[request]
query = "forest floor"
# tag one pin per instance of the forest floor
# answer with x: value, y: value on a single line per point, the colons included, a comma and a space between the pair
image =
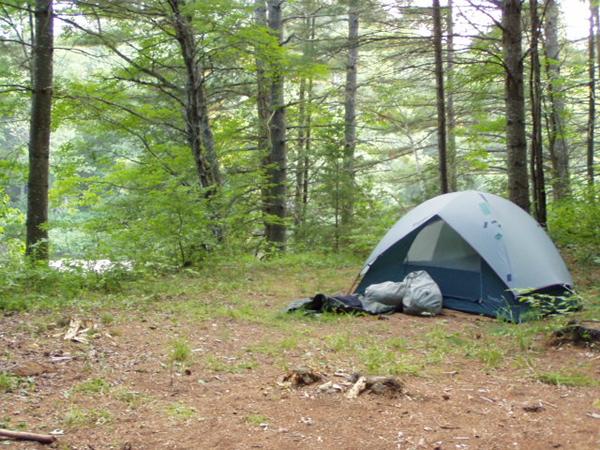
x: 195, y: 360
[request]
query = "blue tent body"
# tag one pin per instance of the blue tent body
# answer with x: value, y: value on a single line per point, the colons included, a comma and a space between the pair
x: 482, y: 250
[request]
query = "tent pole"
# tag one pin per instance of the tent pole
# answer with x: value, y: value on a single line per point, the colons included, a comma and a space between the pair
x: 355, y: 283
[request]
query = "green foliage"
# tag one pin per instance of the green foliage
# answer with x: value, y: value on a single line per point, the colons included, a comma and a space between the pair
x: 542, y: 305
x: 573, y: 223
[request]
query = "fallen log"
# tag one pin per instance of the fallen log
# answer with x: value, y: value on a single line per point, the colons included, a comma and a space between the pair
x: 26, y: 436
x: 584, y: 332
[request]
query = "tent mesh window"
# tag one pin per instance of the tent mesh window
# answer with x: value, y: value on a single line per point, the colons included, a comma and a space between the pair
x: 437, y: 244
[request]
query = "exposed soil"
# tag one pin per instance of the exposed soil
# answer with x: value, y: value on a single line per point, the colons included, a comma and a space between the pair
x: 227, y: 395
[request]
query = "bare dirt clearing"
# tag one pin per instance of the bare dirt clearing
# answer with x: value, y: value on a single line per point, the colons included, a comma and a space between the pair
x: 198, y: 367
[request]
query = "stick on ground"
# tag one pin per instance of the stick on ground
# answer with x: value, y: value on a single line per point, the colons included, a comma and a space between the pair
x: 25, y: 436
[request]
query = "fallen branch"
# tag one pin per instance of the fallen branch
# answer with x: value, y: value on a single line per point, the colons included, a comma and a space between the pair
x: 25, y: 436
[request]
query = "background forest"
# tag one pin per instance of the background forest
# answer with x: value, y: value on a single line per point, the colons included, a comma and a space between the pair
x: 180, y: 131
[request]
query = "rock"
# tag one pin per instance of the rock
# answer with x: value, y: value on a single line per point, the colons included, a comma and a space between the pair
x: 534, y: 408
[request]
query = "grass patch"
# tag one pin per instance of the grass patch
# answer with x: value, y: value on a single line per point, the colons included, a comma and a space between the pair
x: 256, y: 419
x: 79, y: 417
x: 377, y: 360
x: 180, y: 352
x: 8, y: 382
x: 180, y: 412
x: 276, y: 348
x: 107, y: 319
x: 133, y: 399
x: 93, y: 386
x: 11, y: 383
x: 575, y: 379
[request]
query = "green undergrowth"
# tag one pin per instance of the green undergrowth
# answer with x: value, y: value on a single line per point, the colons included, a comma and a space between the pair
x: 228, y: 286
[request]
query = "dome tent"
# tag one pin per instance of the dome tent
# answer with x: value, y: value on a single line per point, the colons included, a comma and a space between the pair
x: 482, y: 250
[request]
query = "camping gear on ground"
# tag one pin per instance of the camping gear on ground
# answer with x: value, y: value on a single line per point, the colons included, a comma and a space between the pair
x: 417, y: 294
x: 483, y: 251
x: 325, y: 303
x: 422, y: 296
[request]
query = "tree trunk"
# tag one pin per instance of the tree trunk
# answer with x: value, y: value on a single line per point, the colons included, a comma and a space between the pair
x: 301, y: 143
x: 263, y: 106
x: 559, y: 155
x: 591, y: 100
x: 518, y: 182
x: 275, y: 208
x: 441, y: 101
x: 39, y: 132
x: 451, y: 150
x: 199, y: 133
x: 347, y: 189
x: 535, y: 90
x: 304, y: 121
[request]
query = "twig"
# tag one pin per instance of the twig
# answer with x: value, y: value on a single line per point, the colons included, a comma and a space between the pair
x: 25, y: 436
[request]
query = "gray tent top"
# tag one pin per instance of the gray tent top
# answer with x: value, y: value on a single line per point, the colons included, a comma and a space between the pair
x: 512, y: 243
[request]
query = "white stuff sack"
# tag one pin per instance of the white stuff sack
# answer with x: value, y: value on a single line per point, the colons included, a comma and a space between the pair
x: 386, y: 293
x: 422, y: 296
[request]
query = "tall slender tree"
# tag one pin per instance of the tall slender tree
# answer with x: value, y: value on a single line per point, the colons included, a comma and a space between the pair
x: 535, y: 91
x: 304, y: 120
x: 276, y: 170
x: 557, y: 141
x: 591, y: 98
x: 450, y: 112
x: 516, y: 143
x: 441, y: 100
x: 39, y: 131
x: 347, y: 192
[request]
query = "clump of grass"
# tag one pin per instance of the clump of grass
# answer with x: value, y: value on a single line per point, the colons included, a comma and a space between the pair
x: 181, y: 352
x: 107, y: 319
x: 133, y: 399
x: 340, y: 342
x: 274, y: 348
x: 8, y: 382
x: 179, y: 411
x: 77, y: 417
x: 575, y: 379
x: 256, y: 419
x: 491, y: 356
x: 378, y: 360
x: 93, y: 386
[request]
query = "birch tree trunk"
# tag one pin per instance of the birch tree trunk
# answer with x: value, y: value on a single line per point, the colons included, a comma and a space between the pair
x: 518, y: 182
x: 559, y: 155
x: 441, y: 101
x: 348, y: 176
x: 276, y: 171
x: 535, y: 90
x: 39, y: 132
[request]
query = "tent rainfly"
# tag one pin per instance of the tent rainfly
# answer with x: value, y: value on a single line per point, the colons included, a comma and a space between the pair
x: 482, y: 250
